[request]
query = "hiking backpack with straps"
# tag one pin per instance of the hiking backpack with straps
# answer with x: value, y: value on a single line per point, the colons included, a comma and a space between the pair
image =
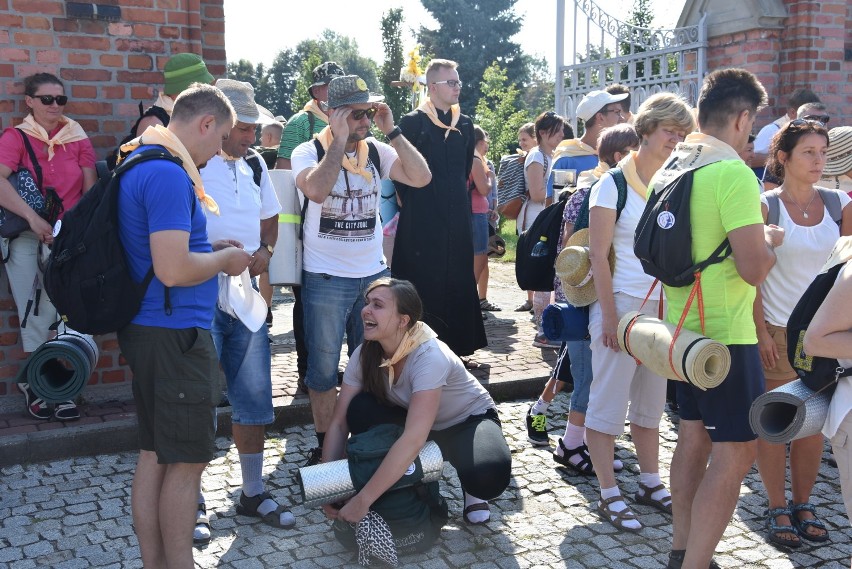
x: 87, y: 275
x: 831, y: 199
x: 582, y: 221
x: 663, y: 241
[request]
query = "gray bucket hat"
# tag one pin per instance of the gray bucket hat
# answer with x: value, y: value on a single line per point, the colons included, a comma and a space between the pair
x: 241, y: 95
x: 350, y: 90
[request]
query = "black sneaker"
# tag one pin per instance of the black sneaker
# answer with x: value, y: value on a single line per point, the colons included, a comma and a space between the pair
x: 269, y: 318
x: 537, y: 429
x: 314, y: 457
x: 676, y: 560
x: 36, y: 406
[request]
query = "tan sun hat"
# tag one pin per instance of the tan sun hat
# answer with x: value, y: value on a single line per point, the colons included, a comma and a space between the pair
x: 574, y: 269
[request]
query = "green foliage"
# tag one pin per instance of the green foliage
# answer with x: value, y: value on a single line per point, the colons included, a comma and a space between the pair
x: 497, y: 112
x: 641, y: 16
x: 264, y: 83
x: 395, y: 97
x: 306, y: 77
x: 474, y: 33
x: 538, y: 94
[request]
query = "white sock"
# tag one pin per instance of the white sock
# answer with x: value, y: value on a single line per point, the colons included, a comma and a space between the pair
x: 201, y: 531
x: 618, y: 506
x: 251, y: 466
x: 539, y: 407
x: 573, y: 436
x: 652, y: 480
x: 477, y: 516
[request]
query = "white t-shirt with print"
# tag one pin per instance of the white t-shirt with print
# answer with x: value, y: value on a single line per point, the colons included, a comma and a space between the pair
x: 629, y: 277
x: 242, y: 204
x: 343, y: 235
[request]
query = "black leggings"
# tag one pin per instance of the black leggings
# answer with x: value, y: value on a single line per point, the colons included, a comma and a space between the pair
x: 475, y: 447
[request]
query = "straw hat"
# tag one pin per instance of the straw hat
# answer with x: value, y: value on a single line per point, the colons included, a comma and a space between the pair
x: 574, y: 269
x: 839, y: 158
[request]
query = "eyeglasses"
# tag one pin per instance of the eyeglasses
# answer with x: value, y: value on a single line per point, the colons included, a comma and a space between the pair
x: 361, y: 113
x: 48, y: 100
x: 451, y: 83
x: 805, y: 122
x: 618, y: 111
x: 818, y: 118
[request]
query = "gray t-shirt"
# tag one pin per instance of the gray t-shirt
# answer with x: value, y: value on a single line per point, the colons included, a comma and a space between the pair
x: 432, y: 365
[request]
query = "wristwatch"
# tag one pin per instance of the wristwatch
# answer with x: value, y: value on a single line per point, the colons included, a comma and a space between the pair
x: 268, y: 247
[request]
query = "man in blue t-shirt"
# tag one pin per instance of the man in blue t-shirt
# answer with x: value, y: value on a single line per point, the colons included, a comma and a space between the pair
x: 168, y: 346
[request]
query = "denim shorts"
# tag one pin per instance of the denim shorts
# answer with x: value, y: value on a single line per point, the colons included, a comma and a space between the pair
x: 246, y: 361
x: 724, y: 409
x: 176, y: 387
x: 332, y: 307
x: 580, y: 353
x: 479, y: 225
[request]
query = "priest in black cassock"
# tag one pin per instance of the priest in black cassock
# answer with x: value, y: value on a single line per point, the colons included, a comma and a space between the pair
x: 434, y: 243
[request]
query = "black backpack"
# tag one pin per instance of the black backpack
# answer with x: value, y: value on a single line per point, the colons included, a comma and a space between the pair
x: 415, y: 511
x: 86, y: 275
x: 536, y: 272
x: 817, y: 373
x: 663, y: 241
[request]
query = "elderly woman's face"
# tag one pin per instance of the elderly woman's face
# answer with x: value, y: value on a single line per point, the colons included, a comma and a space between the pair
x: 664, y: 139
x: 46, y: 114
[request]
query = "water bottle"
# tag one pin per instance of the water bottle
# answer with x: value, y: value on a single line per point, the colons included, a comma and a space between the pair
x: 540, y: 248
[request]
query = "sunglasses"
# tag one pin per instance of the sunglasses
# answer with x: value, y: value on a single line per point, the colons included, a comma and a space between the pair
x: 451, y: 83
x: 48, y: 100
x: 361, y: 113
x: 806, y: 121
x: 819, y: 118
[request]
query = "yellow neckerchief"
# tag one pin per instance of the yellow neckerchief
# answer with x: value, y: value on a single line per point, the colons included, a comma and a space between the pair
x: 628, y: 168
x: 418, y: 334
x: 696, y: 151
x: 587, y: 178
x: 428, y: 108
x: 312, y: 107
x: 71, y: 131
x: 166, y: 103
x: 357, y: 166
x: 573, y: 147
x: 161, y: 136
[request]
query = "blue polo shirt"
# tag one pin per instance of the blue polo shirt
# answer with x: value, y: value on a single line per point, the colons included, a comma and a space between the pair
x: 158, y: 196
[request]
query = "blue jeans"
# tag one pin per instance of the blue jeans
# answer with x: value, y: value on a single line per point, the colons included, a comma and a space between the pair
x: 332, y: 306
x: 246, y: 361
x: 581, y: 369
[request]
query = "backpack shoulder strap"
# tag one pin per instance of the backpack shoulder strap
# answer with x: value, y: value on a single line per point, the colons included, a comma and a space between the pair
x: 373, y: 154
x: 773, y: 202
x: 311, y: 123
x: 621, y: 186
x: 254, y: 163
x: 320, y: 155
x: 831, y: 199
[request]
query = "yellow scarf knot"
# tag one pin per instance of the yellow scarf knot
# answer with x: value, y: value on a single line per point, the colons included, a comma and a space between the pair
x: 428, y: 108
x: 418, y: 334
x: 71, y: 131
x: 356, y: 165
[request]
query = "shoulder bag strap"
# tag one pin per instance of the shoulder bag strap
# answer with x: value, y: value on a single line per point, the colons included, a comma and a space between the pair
x: 33, y: 159
x: 831, y: 199
x: 773, y: 202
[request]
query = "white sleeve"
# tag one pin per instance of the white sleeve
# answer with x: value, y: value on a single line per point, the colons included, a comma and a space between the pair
x: 387, y: 156
x: 304, y: 156
x: 764, y: 137
x: 604, y: 193
x: 844, y: 199
x: 269, y: 204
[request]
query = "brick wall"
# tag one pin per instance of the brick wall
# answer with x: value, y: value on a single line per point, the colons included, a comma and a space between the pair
x: 808, y: 51
x: 107, y: 68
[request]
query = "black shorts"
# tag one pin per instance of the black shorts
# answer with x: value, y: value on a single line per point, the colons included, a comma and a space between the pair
x: 562, y: 369
x: 176, y: 387
x: 724, y: 409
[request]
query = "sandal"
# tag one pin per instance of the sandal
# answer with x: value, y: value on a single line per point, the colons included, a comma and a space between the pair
x: 248, y: 507
x: 470, y: 364
x: 583, y: 467
x: 481, y: 506
x: 803, y: 525
x: 643, y: 496
x: 525, y: 307
x: 676, y: 560
x: 36, y: 406
x: 617, y: 519
x: 66, y: 411
x: 485, y: 304
x: 202, y: 522
x: 774, y: 530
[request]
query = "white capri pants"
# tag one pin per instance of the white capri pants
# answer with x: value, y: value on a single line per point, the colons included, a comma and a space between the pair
x: 22, y: 269
x: 841, y: 446
x: 617, y: 380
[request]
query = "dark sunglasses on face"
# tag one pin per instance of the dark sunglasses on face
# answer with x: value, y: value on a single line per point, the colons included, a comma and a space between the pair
x: 48, y: 100
x: 819, y: 118
x: 806, y: 121
x: 361, y: 113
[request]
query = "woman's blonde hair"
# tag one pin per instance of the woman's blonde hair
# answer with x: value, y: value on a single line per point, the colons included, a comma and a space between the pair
x: 663, y: 109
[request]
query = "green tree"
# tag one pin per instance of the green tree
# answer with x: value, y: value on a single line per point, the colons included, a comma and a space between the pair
x: 538, y: 93
x: 641, y: 16
x: 305, y: 80
x: 283, y: 75
x: 497, y: 111
x: 473, y: 33
x: 395, y: 97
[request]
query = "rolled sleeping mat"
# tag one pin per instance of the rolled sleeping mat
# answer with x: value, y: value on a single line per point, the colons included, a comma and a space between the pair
x: 792, y: 411
x: 562, y: 322
x: 696, y: 359
x: 331, y: 482
x: 58, y: 370
x: 285, y: 266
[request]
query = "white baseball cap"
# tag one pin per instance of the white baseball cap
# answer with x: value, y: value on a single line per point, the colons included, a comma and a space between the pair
x: 595, y: 101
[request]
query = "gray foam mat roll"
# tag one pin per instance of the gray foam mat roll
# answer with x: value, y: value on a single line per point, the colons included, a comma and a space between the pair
x: 789, y: 412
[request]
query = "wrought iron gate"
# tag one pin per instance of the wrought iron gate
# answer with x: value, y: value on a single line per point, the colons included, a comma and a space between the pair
x: 606, y: 50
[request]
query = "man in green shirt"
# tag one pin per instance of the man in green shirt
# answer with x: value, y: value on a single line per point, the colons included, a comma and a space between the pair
x: 714, y: 424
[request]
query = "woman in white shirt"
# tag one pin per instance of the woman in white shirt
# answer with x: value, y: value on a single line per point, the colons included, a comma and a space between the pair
x: 662, y: 122
x: 797, y: 155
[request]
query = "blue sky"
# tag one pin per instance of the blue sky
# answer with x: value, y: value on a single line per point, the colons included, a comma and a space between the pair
x: 259, y: 34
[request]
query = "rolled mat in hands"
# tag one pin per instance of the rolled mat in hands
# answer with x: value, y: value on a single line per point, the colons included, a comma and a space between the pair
x: 698, y: 360
x: 790, y: 412
x: 58, y: 370
x: 562, y: 322
x: 331, y: 482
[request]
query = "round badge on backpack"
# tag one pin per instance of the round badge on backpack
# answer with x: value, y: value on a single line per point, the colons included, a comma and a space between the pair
x: 666, y: 219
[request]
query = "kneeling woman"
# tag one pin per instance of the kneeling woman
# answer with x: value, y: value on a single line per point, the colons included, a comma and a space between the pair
x: 403, y: 374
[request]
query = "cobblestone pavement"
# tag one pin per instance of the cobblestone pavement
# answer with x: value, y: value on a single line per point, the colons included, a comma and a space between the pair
x: 75, y: 513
